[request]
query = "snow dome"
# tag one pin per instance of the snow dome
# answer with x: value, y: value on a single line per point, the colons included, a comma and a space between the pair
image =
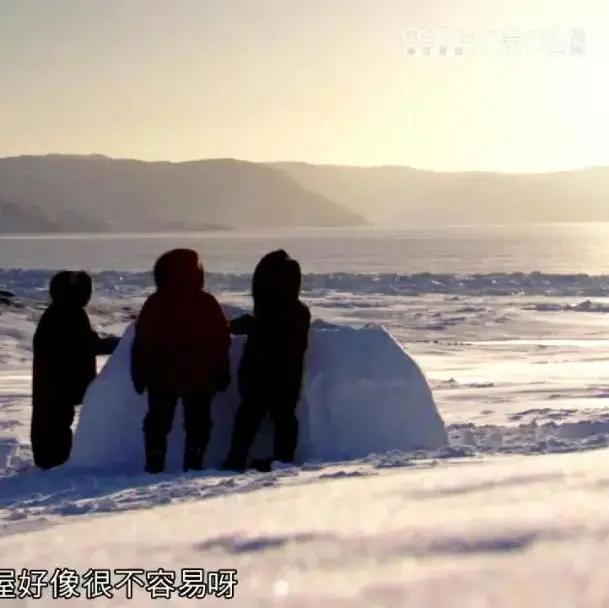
x: 362, y: 394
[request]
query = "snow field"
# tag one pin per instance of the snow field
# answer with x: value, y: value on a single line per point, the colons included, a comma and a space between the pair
x: 509, y: 531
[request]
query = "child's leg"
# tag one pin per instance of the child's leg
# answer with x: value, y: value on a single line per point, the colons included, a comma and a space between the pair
x: 157, y: 425
x: 197, y: 426
x: 283, y: 412
x: 51, y: 434
x: 62, y: 447
x: 247, y: 422
x: 40, y: 437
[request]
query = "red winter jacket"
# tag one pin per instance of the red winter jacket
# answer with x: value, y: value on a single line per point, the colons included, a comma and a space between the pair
x: 182, y: 338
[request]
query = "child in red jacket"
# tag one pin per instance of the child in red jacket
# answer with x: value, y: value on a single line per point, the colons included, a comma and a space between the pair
x: 180, y: 351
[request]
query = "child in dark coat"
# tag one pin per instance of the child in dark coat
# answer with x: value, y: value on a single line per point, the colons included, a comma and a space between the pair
x: 180, y: 351
x: 270, y: 373
x: 65, y: 348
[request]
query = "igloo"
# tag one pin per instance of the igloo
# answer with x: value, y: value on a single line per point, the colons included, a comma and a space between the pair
x: 362, y: 394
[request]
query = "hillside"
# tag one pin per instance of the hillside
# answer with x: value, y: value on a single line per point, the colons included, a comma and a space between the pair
x: 16, y: 218
x: 97, y: 193
x: 405, y: 195
x: 131, y: 195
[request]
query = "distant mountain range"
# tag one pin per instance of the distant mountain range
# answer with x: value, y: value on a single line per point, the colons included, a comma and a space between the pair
x: 403, y: 195
x: 97, y: 193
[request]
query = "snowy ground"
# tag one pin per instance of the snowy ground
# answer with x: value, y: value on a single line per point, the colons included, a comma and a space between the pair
x: 513, y: 513
x: 506, y: 531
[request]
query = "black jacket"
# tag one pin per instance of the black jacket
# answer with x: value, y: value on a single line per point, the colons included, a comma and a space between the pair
x: 65, y: 347
x: 277, y: 332
x: 273, y: 356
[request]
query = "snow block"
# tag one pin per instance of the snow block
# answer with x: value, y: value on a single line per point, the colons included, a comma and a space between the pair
x: 362, y: 394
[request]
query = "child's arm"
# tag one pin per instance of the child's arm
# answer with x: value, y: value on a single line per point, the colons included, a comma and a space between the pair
x: 106, y: 345
x: 304, y: 326
x: 137, y: 367
x: 140, y: 346
x: 222, y: 343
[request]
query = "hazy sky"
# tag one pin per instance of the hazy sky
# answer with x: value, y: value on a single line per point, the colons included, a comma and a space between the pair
x: 328, y: 81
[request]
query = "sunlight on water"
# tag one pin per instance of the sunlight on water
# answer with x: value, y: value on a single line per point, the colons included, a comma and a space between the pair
x: 560, y: 248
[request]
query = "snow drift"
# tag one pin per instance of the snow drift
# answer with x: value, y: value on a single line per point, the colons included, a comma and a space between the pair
x: 361, y: 394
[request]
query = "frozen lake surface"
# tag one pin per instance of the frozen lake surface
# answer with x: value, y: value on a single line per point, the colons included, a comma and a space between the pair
x: 551, y: 248
x: 509, y: 325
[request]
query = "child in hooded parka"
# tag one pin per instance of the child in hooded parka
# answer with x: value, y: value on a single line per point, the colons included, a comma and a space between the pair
x: 180, y: 352
x: 65, y: 348
x: 271, y: 369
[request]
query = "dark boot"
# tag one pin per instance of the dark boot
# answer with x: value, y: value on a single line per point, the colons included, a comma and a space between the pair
x: 262, y: 465
x: 232, y: 464
x: 51, y: 436
x: 247, y: 422
x: 157, y: 425
x: 286, y: 437
x: 193, y: 459
x: 156, y: 448
x: 155, y: 461
x: 197, y: 428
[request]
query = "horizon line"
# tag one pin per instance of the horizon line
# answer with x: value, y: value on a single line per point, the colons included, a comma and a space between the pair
x: 97, y: 155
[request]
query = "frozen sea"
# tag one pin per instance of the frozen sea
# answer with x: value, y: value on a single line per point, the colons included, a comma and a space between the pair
x: 509, y: 323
